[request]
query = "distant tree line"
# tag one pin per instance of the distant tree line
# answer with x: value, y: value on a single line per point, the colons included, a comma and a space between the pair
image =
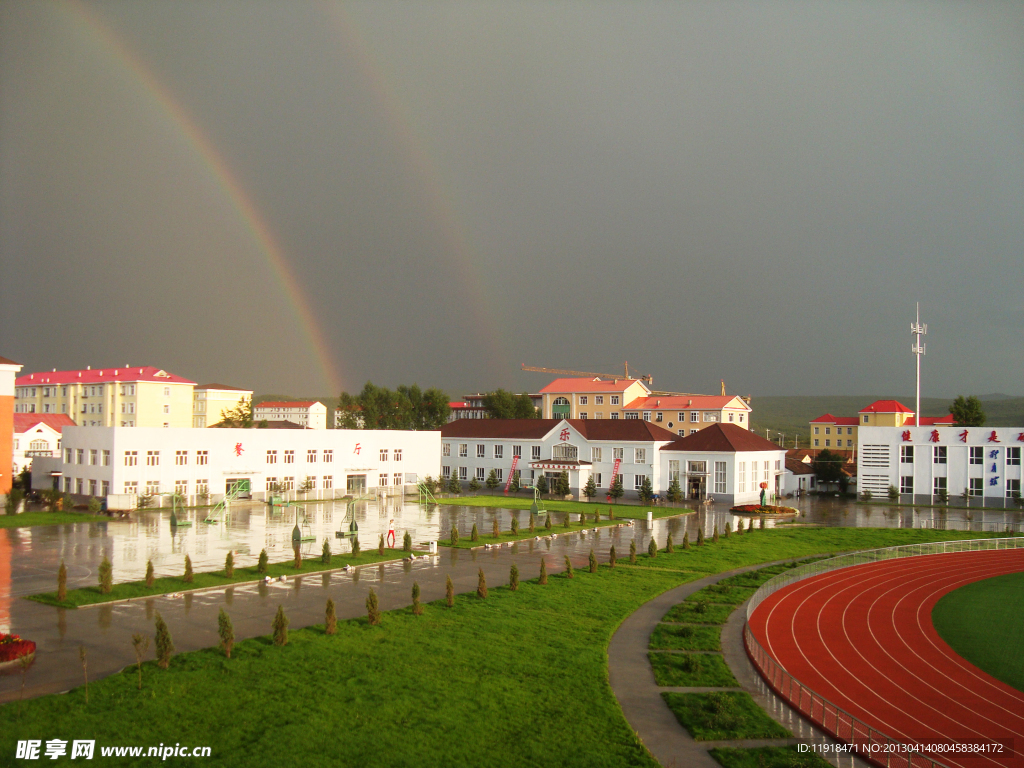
x: 501, y: 404
x: 407, y: 407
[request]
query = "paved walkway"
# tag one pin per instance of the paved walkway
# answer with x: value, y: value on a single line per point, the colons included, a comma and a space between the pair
x: 633, y: 684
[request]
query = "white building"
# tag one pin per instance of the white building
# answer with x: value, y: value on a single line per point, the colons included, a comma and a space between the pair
x: 102, y: 461
x: 724, y: 461
x: 924, y: 462
x: 311, y: 414
x: 37, y: 435
x: 583, y: 448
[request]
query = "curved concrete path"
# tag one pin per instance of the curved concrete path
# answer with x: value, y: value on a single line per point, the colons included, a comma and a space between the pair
x: 632, y: 682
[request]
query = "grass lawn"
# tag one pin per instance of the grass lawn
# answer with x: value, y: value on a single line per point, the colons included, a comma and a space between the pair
x: 162, y: 586
x: 723, y: 715
x: 689, y: 612
x: 691, y: 670
x: 982, y: 622
x: 685, y: 637
x: 48, y: 518
x: 485, y: 531
x: 724, y: 595
x: 621, y: 511
x: 768, y: 757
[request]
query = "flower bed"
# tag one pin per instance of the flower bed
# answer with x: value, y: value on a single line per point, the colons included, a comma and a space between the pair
x: 767, y: 509
x: 13, y: 648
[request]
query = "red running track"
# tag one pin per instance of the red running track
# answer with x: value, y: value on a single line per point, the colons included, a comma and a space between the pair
x: 862, y: 637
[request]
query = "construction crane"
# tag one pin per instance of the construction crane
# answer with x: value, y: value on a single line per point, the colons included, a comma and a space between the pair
x: 647, y: 379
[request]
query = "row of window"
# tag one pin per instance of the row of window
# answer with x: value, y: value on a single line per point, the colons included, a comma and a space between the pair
x: 561, y: 451
x: 95, y: 457
x: 975, y: 454
x: 80, y: 485
x: 828, y: 443
x: 90, y: 390
x: 839, y: 430
x: 976, y: 486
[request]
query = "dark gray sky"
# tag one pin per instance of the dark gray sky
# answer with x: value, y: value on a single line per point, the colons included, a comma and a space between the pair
x: 754, y: 191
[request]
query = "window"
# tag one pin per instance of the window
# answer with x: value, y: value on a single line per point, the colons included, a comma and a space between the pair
x: 639, y: 455
x: 615, y: 399
x: 710, y: 416
x: 382, y: 479
x: 398, y: 454
x: 311, y: 482
x: 618, y: 453
x: 938, y: 485
x: 131, y: 458
x: 977, y: 455
x: 288, y: 484
x: 383, y: 454
x: 583, y: 399
x: 633, y: 415
x: 153, y: 487
x: 828, y: 443
x: 741, y: 418
x: 828, y: 430
x: 816, y: 442
x: 731, y: 416
x: 499, y: 451
x: 67, y: 485
x: 595, y: 454
x: 719, y: 477
x: 535, y: 453
x: 976, y: 486
x: 742, y: 476
x: 329, y: 456
x: 565, y: 452
x: 638, y: 481
x: 202, y: 487
x: 481, y: 451
x: 80, y: 456
x: 480, y: 474
x: 864, y: 419
x: 311, y: 456
x: 328, y: 482
x: 613, y: 415
x: 92, y: 487
x: 1013, y: 456
x: 106, y: 458
x: 446, y: 471
x: 694, y: 431
x: 180, y: 458
x: 681, y: 432
x: 93, y: 457
x: 647, y: 415
x: 167, y: 391
x: 105, y: 488
x: 598, y: 399
x: 152, y: 458
x: 181, y: 487
x: 517, y: 450
x: 132, y: 486
x: 397, y: 478
x: 463, y: 473
x: 701, y: 467
x: 202, y: 457
x: 272, y: 484
x: 464, y: 450
x: 289, y: 457
x: 907, y: 484
x: 939, y: 454
x: 167, y: 409
x: 271, y: 457
x: 1012, y: 488
x: 694, y: 416
x: 597, y: 479
x: 583, y: 414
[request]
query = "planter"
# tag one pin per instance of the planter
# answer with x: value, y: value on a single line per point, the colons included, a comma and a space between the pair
x: 768, y: 509
x: 13, y: 648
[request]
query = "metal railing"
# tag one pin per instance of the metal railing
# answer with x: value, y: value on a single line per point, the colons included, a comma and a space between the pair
x: 869, y: 742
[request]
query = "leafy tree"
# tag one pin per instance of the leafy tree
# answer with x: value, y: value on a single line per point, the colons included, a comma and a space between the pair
x: 501, y: 404
x: 492, y: 480
x: 569, y: 574
x: 454, y: 485
x: 563, y: 483
x: 474, y: 485
x: 514, y: 523
x: 296, y: 557
x: 616, y: 491
x: 686, y: 539
x: 408, y: 407
x: 455, y: 534
x: 611, y: 557
x: 714, y: 536
x: 151, y: 576
x: 967, y: 412
x: 226, y: 632
x: 140, y: 643
x: 261, y: 565
x: 652, y: 548
x: 593, y: 562
x: 280, y: 627
x: 590, y: 489
x: 669, y: 546
x: 325, y: 552
x: 106, y: 574
x: 646, y: 492
x: 675, y: 493
x: 380, y: 545
x: 700, y: 536
x: 95, y: 505
x: 496, y: 528
x: 372, y: 608
x: 547, y: 522
x: 474, y: 535
x: 164, y: 644
x: 513, y: 578
x: 514, y: 485
x: 542, y: 483
x: 188, y: 578
x: 828, y: 467
x: 481, y: 584
x: 728, y: 529
x: 417, y: 609
x: 229, y: 565
x: 632, y: 552
x: 239, y: 416
x: 355, y: 546
x: 894, y: 493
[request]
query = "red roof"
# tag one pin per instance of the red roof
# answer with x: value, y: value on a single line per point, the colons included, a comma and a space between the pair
x: 797, y: 467
x: 290, y: 404
x: 101, y: 376
x: 5, y: 361
x: 723, y: 438
x: 681, y: 402
x: 841, y: 421
x: 222, y: 386
x: 886, y: 406
x: 23, y: 422
x: 590, y: 385
x: 625, y: 430
x: 937, y: 421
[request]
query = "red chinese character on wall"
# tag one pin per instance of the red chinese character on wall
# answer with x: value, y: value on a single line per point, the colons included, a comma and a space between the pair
x: 993, y: 438
x: 238, y: 449
x: 564, y: 435
x: 963, y: 436
x: 358, y: 448
x: 1020, y: 437
x: 906, y: 435
x: 935, y: 436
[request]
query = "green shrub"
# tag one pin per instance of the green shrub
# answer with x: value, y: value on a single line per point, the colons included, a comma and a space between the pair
x: 632, y: 552
x: 543, y: 573
x: 229, y: 565
x: 330, y: 618
x: 226, y: 632
x: 296, y: 557
x: 728, y: 529
x: 597, y: 516
x: 455, y: 533
x: 417, y: 609
x: 164, y: 644
x: 140, y: 643
x: 106, y: 574
x: 261, y: 566
x: 325, y: 552
x: 280, y: 627
x: 761, y: 524
x: 407, y: 542
x: 355, y: 546
x: 611, y: 557
x: 150, y: 575
x: 686, y: 539
x: 513, y: 578
x: 700, y: 536
x: 669, y: 546
x: 714, y: 537
x: 474, y: 535
x: 481, y: 584
x: 95, y: 505
x: 568, y: 568
x: 611, y: 513
x: 593, y: 562
x: 533, y: 523
x: 372, y: 608
x: 701, y: 605
x: 547, y: 522
x: 496, y: 529
x: 567, y: 523
x: 449, y: 592
x: 62, y: 581
x: 188, y: 577
x: 515, y: 524
x: 652, y: 548
x: 380, y: 545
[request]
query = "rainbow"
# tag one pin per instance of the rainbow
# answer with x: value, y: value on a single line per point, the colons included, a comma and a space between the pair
x: 228, y: 182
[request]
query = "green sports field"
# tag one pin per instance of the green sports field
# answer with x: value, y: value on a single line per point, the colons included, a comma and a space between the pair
x: 984, y: 623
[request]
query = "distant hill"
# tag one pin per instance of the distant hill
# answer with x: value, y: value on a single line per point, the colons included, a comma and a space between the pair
x: 790, y: 415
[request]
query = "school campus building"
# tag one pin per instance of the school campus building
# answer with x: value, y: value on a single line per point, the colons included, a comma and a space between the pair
x: 840, y: 432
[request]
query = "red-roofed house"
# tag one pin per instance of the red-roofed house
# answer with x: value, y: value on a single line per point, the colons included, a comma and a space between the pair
x: 830, y: 431
x: 686, y: 414
x: 37, y: 434
x: 109, y: 397
x: 306, y: 413
x: 596, y: 398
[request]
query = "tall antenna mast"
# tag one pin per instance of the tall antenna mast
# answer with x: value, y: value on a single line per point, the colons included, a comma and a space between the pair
x: 918, y: 349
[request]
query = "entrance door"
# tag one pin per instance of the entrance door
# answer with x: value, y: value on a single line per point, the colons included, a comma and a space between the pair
x: 243, y: 486
x: 355, y: 485
x: 696, y: 487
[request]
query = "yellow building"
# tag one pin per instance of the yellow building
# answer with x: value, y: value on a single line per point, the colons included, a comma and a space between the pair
x: 210, y: 401
x: 109, y: 397
x: 840, y: 432
x: 686, y: 414
x: 589, y: 398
